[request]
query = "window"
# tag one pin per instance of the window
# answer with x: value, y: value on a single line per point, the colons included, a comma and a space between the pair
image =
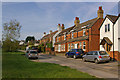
x: 65, y: 37
x: 83, y: 45
x: 57, y: 39
x: 68, y: 47
x: 64, y: 47
x: 72, y: 45
x: 90, y: 53
x: 95, y: 53
x: 105, y: 28
x: 80, y: 45
x: 108, y: 27
x: 84, y: 32
x: 103, y: 53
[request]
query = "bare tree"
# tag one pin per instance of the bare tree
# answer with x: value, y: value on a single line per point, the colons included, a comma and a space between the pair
x: 10, y: 35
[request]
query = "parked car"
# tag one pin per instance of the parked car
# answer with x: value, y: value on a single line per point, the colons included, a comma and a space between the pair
x: 32, y: 54
x: 97, y: 56
x: 75, y: 53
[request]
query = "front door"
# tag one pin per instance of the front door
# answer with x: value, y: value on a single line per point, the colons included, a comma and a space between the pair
x: 107, y: 48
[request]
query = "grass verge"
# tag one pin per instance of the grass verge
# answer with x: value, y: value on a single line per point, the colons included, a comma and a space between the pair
x: 16, y: 65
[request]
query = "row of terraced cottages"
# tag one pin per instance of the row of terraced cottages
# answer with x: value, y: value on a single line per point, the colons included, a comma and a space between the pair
x: 96, y: 34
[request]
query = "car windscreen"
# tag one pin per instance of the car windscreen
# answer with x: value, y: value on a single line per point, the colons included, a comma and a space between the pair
x: 103, y: 53
x: 79, y: 50
x: 33, y: 52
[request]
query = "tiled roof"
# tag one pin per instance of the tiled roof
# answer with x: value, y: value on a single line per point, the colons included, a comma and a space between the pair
x: 107, y: 40
x: 49, y: 35
x: 86, y: 24
x: 112, y: 17
x: 72, y: 40
x: 78, y: 39
x: 65, y: 30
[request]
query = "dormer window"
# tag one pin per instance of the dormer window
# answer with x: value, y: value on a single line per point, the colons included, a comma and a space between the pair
x: 84, y: 32
x: 72, y: 35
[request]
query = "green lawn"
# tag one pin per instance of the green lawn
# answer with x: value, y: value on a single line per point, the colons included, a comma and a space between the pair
x: 15, y: 65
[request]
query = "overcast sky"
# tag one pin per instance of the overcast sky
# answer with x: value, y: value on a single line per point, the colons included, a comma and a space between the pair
x: 39, y: 17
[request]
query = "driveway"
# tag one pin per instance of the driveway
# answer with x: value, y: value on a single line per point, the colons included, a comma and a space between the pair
x: 102, y: 70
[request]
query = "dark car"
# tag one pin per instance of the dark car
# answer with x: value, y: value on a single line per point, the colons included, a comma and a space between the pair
x: 75, y: 53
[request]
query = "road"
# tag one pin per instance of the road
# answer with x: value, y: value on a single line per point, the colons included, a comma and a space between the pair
x: 102, y: 70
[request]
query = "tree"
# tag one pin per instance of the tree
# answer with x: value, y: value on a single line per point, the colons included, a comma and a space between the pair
x: 11, y: 34
x: 31, y: 39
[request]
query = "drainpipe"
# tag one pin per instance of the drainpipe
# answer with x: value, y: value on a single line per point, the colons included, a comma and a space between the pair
x: 113, y: 42
x: 88, y: 39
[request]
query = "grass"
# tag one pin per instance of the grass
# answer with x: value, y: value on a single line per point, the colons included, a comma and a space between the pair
x: 16, y: 65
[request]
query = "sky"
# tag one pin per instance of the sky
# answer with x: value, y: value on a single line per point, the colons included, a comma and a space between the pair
x: 39, y: 17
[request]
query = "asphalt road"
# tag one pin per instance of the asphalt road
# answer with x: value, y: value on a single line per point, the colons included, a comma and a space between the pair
x: 101, y: 70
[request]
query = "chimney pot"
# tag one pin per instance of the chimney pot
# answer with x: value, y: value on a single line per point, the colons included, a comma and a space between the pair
x: 50, y: 32
x: 100, y: 12
x: 44, y: 32
x: 76, y: 18
x: 100, y: 8
x: 62, y: 25
x: 58, y: 24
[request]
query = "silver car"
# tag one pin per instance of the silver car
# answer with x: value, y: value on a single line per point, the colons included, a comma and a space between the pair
x: 32, y: 54
x: 97, y: 56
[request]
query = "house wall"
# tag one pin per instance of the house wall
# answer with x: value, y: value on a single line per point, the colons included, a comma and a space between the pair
x: 54, y: 37
x: 119, y: 35
x: 106, y: 34
x: 94, y: 36
x: 116, y: 36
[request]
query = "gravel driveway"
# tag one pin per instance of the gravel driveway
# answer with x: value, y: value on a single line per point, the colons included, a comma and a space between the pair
x: 102, y: 70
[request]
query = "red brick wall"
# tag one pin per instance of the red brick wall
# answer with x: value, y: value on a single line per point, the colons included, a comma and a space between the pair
x: 116, y: 55
x: 68, y: 36
x: 75, y: 34
x: 80, y: 33
x: 94, y: 37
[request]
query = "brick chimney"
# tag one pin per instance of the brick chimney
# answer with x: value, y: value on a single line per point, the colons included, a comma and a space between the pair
x: 100, y: 12
x: 50, y: 32
x: 44, y: 34
x: 62, y: 27
x: 77, y: 21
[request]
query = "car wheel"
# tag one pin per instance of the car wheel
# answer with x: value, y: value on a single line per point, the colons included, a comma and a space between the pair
x: 74, y: 56
x: 96, y: 61
x: 83, y: 59
x: 67, y: 56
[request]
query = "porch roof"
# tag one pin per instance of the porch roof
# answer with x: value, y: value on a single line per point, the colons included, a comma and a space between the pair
x: 106, y: 40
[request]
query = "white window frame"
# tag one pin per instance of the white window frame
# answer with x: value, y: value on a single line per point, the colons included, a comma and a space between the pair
x: 84, y: 45
x: 68, y: 47
x: 108, y: 27
x: 84, y: 32
x: 64, y: 47
x: 80, y: 45
x: 64, y: 36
